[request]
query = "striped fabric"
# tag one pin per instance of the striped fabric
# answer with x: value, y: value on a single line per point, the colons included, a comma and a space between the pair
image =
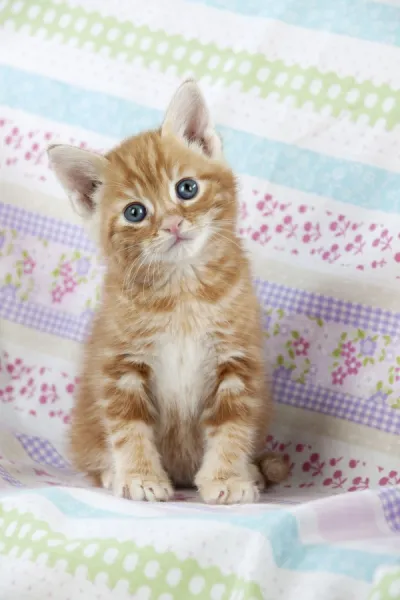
x: 306, y: 94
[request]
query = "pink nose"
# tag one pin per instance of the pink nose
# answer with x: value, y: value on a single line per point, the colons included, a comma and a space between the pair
x: 172, y: 224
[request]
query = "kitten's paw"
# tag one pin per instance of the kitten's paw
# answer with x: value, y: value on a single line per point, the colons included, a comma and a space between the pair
x: 135, y: 486
x: 106, y: 478
x: 228, y: 491
x: 257, y: 477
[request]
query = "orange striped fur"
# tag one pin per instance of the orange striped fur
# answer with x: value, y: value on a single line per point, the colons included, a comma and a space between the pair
x: 173, y: 384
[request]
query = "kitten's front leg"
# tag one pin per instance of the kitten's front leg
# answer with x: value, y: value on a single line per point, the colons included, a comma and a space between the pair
x: 230, y: 420
x: 130, y: 416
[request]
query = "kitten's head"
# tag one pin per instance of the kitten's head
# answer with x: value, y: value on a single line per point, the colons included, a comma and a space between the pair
x: 164, y: 196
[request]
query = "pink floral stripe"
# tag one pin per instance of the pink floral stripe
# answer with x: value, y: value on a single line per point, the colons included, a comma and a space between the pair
x: 331, y: 237
x: 299, y: 230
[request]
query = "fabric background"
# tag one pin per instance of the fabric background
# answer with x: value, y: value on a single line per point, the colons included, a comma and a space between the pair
x: 306, y: 94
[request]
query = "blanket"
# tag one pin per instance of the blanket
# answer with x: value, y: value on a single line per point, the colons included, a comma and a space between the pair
x: 306, y: 96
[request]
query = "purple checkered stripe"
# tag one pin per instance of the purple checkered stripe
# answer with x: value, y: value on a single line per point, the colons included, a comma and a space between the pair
x: 46, y: 228
x: 6, y: 476
x: 45, y: 319
x: 75, y: 327
x: 41, y: 451
x: 390, y: 499
x: 327, y: 308
x: 336, y: 404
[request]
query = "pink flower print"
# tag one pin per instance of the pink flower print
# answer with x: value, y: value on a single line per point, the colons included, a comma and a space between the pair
x: 69, y: 284
x: 359, y: 484
x: 243, y: 211
x: 339, y: 376
x: 336, y: 481
x: 391, y: 478
x: 261, y: 235
x: 397, y: 373
x: 29, y: 265
x: 65, y: 270
x: 57, y: 294
x: 347, y: 349
x: 353, y: 365
x: 313, y: 465
x: 301, y: 346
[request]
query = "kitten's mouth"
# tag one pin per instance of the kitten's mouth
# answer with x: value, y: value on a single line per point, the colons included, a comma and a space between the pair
x: 179, y: 240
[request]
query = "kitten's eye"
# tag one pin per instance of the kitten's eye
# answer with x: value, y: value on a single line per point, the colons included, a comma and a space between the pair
x: 187, y: 189
x: 135, y: 213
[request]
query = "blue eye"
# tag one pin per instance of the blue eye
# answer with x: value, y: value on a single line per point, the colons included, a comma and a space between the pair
x: 135, y: 213
x: 187, y: 189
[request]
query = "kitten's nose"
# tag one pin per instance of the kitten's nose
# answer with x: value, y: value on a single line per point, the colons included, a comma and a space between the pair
x: 172, y: 224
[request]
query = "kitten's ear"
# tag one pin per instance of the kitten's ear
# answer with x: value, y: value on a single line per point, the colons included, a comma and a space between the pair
x: 80, y: 172
x: 188, y: 117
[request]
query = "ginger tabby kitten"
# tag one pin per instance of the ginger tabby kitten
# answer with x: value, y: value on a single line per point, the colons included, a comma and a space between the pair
x: 173, y: 384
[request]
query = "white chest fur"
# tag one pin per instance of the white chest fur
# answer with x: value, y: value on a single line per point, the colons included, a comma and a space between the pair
x: 184, y: 372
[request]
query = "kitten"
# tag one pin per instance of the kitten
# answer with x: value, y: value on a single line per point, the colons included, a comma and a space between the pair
x: 173, y: 385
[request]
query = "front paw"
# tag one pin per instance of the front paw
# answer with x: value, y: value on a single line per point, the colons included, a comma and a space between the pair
x: 233, y: 490
x: 137, y: 486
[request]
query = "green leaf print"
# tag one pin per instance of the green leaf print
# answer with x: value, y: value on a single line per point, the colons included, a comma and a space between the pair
x: 379, y: 385
x: 8, y: 278
x: 280, y: 359
x: 387, y: 339
x: 295, y: 335
x: 343, y: 337
x: 360, y: 334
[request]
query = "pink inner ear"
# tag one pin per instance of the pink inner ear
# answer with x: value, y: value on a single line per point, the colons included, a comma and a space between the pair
x: 193, y: 136
x: 85, y: 186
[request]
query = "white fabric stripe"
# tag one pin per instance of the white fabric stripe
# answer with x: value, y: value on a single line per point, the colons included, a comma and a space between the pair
x: 268, y: 117
x: 34, y: 345
x: 277, y: 40
x: 337, y: 285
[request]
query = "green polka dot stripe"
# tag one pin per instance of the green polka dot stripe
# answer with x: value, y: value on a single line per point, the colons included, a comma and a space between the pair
x: 25, y: 537
x: 322, y: 92
x: 387, y: 586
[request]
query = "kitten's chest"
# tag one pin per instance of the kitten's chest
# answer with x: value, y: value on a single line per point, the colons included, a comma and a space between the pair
x: 184, y: 369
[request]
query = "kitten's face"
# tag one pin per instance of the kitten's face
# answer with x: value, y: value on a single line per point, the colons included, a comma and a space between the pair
x: 163, y: 198
x: 164, y: 202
